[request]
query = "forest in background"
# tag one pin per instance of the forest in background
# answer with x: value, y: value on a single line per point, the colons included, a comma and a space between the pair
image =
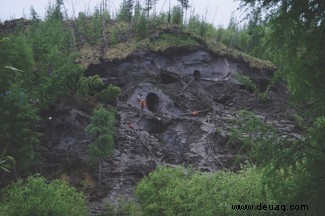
x: 38, y: 68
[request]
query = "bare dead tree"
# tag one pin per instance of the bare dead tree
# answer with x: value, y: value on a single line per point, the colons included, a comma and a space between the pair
x: 71, y: 24
x: 103, y: 10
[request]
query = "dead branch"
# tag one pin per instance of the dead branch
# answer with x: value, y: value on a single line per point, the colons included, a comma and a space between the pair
x: 187, y: 86
x: 145, y: 144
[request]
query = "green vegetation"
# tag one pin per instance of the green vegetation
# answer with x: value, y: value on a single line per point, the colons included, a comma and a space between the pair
x: 166, y: 40
x: 254, y: 88
x: 288, y: 161
x: 291, y: 35
x: 38, y: 68
x: 109, y: 94
x: 245, y: 80
x: 180, y: 191
x: 125, y: 207
x: 37, y: 197
x: 88, y: 86
x: 6, y: 162
x: 102, y: 129
x: 19, y: 132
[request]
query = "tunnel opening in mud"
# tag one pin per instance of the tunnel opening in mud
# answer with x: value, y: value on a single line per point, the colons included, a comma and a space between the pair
x: 152, y: 101
x: 196, y: 75
x: 167, y: 78
x: 154, y: 126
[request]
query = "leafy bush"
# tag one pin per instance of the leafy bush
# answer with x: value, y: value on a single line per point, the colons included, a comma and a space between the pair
x: 180, y: 191
x: 38, y: 198
x: 125, y: 207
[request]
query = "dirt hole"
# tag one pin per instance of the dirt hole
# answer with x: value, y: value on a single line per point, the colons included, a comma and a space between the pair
x: 154, y: 126
x: 167, y: 78
x: 197, y: 74
x: 152, y: 101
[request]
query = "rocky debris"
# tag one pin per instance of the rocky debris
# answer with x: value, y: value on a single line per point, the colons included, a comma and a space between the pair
x: 188, y: 126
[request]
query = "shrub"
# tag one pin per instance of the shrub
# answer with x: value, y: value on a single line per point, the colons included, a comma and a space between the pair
x: 125, y: 207
x: 36, y: 197
x: 180, y: 191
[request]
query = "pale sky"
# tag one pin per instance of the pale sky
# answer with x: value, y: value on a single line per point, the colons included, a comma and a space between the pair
x: 219, y: 11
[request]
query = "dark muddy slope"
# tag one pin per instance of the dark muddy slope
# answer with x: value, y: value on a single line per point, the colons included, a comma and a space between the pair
x: 192, y: 100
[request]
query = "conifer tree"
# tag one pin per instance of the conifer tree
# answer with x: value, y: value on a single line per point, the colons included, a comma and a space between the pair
x: 125, y: 11
x: 294, y: 32
x: 18, y: 119
x: 102, y: 130
x: 142, y: 26
x: 177, y: 15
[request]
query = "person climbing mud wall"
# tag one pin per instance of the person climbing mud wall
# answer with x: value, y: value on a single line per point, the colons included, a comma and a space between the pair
x: 152, y: 101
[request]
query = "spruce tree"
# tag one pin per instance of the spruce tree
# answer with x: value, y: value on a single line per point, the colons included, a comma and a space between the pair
x: 142, y: 26
x: 19, y: 118
x: 102, y: 131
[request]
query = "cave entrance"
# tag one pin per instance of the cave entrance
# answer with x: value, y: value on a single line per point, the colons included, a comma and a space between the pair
x: 152, y: 101
x: 167, y: 78
x: 155, y: 126
x: 197, y: 75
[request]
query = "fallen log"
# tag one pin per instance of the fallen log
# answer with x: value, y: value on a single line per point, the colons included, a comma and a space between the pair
x: 194, y: 113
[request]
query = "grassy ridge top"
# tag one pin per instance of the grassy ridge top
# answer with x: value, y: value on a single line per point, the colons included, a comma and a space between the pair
x: 165, y: 38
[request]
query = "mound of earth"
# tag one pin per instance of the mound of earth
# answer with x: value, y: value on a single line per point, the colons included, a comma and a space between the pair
x: 191, y: 102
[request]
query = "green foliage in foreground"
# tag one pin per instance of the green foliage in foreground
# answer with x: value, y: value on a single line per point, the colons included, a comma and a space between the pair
x: 125, y: 207
x: 38, y: 198
x: 180, y: 191
x: 293, y: 165
x: 293, y: 38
